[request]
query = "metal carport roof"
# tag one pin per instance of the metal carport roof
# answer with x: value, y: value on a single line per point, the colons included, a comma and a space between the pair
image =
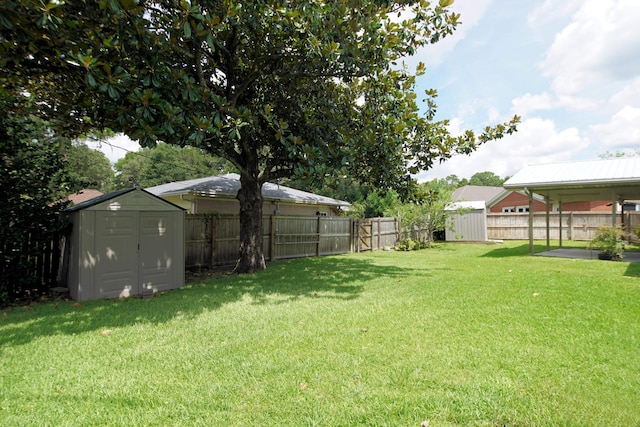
x: 606, y: 179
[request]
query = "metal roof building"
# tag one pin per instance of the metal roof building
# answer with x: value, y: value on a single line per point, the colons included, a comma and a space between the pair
x: 616, y: 179
x: 199, y: 194
x: 606, y: 179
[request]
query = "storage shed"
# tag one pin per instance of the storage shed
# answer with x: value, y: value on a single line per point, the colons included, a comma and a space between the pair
x: 469, y: 222
x: 124, y: 243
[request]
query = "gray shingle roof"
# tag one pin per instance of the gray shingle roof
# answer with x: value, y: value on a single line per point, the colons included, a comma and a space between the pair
x: 472, y: 193
x: 228, y: 186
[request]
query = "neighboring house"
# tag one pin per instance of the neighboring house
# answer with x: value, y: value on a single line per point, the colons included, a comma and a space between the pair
x: 83, y: 195
x: 500, y: 200
x: 217, y: 194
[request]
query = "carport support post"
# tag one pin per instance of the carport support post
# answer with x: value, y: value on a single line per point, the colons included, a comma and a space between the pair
x: 546, y: 200
x: 560, y: 221
x: 530, y: 194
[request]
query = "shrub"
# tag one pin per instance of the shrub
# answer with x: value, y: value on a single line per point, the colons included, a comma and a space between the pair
x: 610, y: 240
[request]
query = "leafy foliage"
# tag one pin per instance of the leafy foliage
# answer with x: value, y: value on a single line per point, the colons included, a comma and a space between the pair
x: 88, y: 168
x: 32, y: 179
x: 610, y: 240
x: 487, y: 179
x: 166, y: 163
x: 426, y: 214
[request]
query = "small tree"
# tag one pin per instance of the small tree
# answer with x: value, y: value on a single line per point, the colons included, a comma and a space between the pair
x: 427, y: 211
x: 610, y: 240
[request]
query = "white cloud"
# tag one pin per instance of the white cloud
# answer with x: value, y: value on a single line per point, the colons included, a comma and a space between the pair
x: 471, y: 12
x: 600, y: 46
x: 622, y: 132
x: 528, y: 103
x: 537, y: 141
x: 628, y: 95
x: 115, y: 148
x: 551, y: 10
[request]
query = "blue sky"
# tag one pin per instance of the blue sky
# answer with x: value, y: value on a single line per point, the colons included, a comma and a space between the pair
x: 569, y: 68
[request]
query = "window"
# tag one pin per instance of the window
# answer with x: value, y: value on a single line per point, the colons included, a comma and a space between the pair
x: 522, y: 209
x: 508, y: 209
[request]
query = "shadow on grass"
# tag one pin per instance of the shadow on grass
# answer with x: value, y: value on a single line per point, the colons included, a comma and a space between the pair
x: 633, y: 270
x: 338, y: 278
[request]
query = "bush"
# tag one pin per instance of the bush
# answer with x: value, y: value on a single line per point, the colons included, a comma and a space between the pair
x: 412, y: 245
x: 610, y: 240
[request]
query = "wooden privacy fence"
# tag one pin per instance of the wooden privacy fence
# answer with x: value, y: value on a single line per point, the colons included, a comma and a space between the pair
x: 575, y: 225
x: 370, y: 234
x: 31, y: 269
x: 213, y: 240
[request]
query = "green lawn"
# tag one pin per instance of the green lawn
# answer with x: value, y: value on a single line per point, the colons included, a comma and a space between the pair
x: 462, y: 334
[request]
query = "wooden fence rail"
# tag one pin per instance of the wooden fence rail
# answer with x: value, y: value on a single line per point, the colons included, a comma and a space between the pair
x: 575, y: 225
x: 213, y: 240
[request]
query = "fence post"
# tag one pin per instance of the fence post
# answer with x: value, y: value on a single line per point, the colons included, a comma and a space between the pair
x: 272, y: 238
x: 570, y: 230
x: 318, y: 229
x: 213, y: 224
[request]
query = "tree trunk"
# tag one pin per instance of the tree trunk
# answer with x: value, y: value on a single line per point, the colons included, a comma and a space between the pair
x: 250, y: 257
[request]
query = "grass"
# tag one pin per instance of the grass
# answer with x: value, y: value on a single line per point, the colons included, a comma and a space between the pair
x: 461, y: 334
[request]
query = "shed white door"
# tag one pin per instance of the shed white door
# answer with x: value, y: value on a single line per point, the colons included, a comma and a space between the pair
x: 135, y: 253
x: 157, y: 243
x: 116, y: 241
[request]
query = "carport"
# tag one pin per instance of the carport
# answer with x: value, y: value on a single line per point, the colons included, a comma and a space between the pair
x: 615, y: 179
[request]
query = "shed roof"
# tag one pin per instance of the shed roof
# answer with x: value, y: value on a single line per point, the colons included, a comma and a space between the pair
x: 229, y: 184
x: 138, y: 192
x: 605, y: 179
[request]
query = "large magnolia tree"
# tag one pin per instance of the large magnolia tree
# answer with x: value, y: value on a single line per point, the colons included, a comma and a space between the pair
x: 304, y: 88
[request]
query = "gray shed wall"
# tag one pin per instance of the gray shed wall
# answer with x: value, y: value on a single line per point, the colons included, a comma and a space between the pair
x: 468, y: 227
x: 130, y: 245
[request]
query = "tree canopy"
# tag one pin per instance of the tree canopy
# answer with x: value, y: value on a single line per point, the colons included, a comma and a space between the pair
x: 87, y: 168
x: 486, y: 179
x: 166, y: 163
x: 304, y: 88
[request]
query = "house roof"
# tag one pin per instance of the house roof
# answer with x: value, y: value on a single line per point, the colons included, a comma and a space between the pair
x: 605, y: 179
x: 228, y: 185
x: 83, y: 195
x: 474, y: 193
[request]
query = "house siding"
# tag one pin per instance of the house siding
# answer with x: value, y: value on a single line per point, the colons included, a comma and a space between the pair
x: 516, y: 199
x: 232, y: 207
